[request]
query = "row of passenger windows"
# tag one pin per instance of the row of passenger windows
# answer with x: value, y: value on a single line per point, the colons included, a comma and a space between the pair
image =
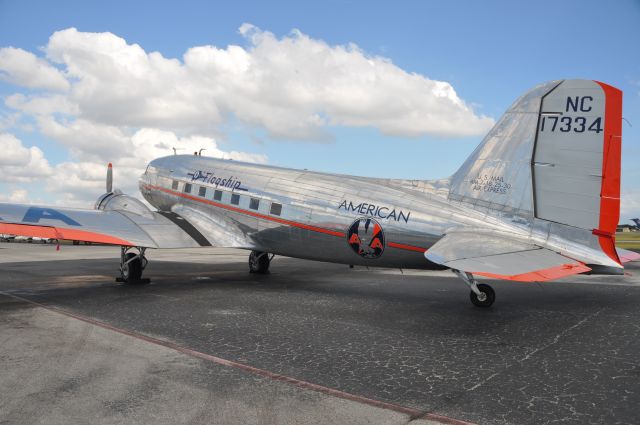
x: 254, y: 203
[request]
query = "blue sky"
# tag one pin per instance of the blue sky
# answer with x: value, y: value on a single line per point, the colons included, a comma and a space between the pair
x: 490, y: 52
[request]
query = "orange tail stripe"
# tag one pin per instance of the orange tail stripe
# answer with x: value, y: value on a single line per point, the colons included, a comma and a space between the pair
x: 610, y: 190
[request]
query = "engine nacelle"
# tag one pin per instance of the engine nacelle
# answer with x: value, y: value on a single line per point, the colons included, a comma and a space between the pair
x: 118, y: 201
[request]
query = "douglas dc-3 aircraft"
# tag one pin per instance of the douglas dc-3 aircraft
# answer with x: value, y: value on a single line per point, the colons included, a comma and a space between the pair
x: 537, y: 200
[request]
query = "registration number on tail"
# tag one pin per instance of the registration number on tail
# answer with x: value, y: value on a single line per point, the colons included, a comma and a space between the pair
x: 552, y: 123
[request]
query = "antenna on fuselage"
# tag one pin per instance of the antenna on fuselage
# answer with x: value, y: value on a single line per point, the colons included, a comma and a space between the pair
x: 175, y: 150
x: 200, y: 151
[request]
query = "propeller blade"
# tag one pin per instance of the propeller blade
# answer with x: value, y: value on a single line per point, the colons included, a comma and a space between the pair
x: 109, y: 178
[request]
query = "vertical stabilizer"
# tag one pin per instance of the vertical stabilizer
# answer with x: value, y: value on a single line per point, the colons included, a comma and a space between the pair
x: 553, y: 156
x: 497, y: 174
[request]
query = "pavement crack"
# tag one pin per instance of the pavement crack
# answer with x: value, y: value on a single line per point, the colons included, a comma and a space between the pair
x: 481, y: 383
x: 557, y: 338
x: 527, y: 356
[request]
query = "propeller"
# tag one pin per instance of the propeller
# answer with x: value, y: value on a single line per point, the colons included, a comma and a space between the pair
x: 109, y: 178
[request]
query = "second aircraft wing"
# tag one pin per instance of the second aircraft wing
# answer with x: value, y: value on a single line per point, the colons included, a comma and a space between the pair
x: 139, y: 227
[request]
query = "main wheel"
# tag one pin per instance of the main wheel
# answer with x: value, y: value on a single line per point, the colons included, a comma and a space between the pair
x: 259, y: 262
x: 131, y: 270
x: 486, y: 299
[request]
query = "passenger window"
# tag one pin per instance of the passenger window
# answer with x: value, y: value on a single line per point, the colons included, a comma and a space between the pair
x: 174, y: 185
x: 217, y: 195
x: 202, y: 191
x: 276, y: 209
x: 187, y: 188
x: 235, y: 199
x: 254, y: 204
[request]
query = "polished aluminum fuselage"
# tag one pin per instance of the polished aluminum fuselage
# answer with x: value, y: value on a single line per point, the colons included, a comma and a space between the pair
x: 535, y: 187
x: 317, y: 209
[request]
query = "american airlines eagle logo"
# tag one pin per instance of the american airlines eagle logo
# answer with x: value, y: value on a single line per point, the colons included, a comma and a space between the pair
x: 366, y: 238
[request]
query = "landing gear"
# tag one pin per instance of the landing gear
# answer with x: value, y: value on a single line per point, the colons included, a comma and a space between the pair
x: 482, y: 295
x: 259, y: 262
x: 486, y: 298
x: 132, y: 264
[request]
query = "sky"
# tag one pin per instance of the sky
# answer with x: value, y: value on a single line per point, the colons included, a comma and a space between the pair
x: 403, y: 89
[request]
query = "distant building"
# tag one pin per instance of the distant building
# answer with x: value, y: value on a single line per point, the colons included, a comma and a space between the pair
x: 626, y: 228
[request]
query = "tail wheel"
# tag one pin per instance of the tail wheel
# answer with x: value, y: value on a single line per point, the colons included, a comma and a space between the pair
x: 259, y: 262
x: 486, y: 298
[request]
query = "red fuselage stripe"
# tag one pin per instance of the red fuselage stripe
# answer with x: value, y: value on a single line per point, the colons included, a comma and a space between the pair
x: 276, y: 219
x: 407, y: 247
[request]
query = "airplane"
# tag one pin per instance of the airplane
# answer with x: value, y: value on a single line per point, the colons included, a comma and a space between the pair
x: 637, y: 222
x: 537, y: 200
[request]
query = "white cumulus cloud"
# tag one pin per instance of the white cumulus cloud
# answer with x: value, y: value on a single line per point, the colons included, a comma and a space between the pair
x: 19, y: 163
x: 83, y: 180
x: 292, y: 87
x: 23, y: 68
x: 41, y: 105
x: 17, y: 196
x: 106, y: 100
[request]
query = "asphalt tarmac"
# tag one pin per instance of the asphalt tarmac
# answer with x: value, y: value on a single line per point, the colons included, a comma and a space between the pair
x: 207, y: 342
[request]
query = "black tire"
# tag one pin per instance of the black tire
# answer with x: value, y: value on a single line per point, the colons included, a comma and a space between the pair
x: 259, y: 262
x: 132, y: 271
x: 488, y: 291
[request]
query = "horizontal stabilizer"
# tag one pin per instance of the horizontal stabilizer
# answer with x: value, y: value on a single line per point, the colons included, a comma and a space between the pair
x: 627, y: 256
x: 501, y: 257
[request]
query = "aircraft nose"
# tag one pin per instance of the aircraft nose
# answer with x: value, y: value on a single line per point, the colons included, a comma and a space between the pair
x: 144, y: 181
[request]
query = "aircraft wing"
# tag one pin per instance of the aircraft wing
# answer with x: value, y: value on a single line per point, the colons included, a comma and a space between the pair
x: 501, y: 257
x: 142, y: 228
